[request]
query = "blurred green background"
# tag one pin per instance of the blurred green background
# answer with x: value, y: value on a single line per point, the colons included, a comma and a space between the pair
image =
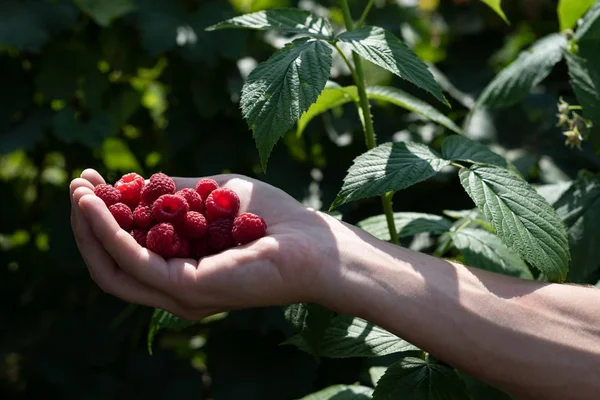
x: 137, y: 85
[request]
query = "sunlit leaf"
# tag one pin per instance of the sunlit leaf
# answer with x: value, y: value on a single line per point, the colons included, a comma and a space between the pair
x: 342, y: 392
x: 497, y: 7
x: 310, y: 321
x: 407, y: 224
x: 569, y: 12
x: 460, y: 148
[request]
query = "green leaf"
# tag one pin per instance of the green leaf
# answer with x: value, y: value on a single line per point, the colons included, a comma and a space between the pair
x: 407, y: 223
x: 459, y: 148
x: 524, y: 221
x: 342, y: 392
x: 118, y: 157
x: 349, y: 336
x: 382, y: 48
x: 330, y: 98
x: 165, y: 320
x: 288, y: 20
x: 497, y: 7
x: 375, y: 373
x: 26, y: 135
x: 69, y: 128
x: 413, y: 378
x: 103, y: 12
x: 479, y: 390
x: 590, y: 26
x: 484, y: 250
x: 586, y: 84
x: 390, y: 166
x: 579, y: 209
x: 282, y: 88
x: 531, y: 67
x: 569, y: 12
x: 411, y: 103
x: 311, y: 321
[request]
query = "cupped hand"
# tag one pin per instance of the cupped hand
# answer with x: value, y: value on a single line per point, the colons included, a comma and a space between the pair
x: 281, y: 268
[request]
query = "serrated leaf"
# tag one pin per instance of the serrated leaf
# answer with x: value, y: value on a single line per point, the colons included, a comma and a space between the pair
x: 282, y: 88
x: 402, y: 99
x: 497, y: 7
x: 413, y: 378
x: 162, y: 319
x: 390, y: 166
x: 342, y: 392
x: 330, y: 98
x: 103, y: 12
x: 407, y: 224
x: 522, y: 219
x: 375, y: 373
x: 484, y: 250
x: 459, y: 148
x: 349, y: 336
x: 590, y: 26
x: 586, y: 84
x: 531, y: 67
x: 473, y: 213
x: 311, y: 322
x: 382, y: 48
x: 579, y: 209
x: 569, y: 12
x: 288, y: 20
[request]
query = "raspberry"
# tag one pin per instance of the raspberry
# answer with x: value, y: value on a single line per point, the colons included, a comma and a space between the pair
x: 122, y: 214
x: 185, y: 250
x: 142, y: 217
x: 201, y: 248
x: 130, y: 186
x: 205, y: 186
x: 163, y: 240
x: 194, y: 225
x: 193, y: 199
x: 140, y: 236
x: 108, y: 194
x: 158, y: 185
x: 170, y: 208
x: 222, y: 203
x: 248, y: 227
x: 219, y: 234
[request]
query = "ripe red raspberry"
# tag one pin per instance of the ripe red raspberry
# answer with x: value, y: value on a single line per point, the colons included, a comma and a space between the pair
x: 142, y: 217
x: 193, y: 199
x: 248, y: 227
x: 219, y: 234
x: 222, y: 203
x: 200, y: 249
x: 170, y: 208
x: 194, y: 225
x: 108, y: 194
x: 205, y: 186
x: 122, y: 214
x: 185, y: 250
x: 158, y: 185
x: 163, y: 240
x: 140, y: 236
x: 130, y: 185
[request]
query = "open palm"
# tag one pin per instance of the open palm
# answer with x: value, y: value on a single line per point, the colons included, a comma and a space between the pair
x: 280, y: 268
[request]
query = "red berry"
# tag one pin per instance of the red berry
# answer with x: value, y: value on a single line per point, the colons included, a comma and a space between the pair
x: 130, y: 185
x: 185, y: 250
x: 163, y: 240
x: 219, y: 234
x: 122, y: 214
x: 201, y: 248
x: 248, y: 227
x: 170, y: 208
x: 193, y: 199
x: 158, y: 185
x: 194, y: 225
x: 140, y: 236
x: 205, y: 186
x: 222, y: 203
x: 108, y: 194
x: 142, y: 217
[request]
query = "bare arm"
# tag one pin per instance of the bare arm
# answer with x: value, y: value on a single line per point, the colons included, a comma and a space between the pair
x: 530, y: 339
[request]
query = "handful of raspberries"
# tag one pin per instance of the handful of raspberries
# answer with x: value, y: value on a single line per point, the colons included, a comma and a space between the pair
x: 185, y: 224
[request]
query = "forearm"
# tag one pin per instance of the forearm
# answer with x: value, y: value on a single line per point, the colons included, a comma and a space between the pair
x: 529, y: 338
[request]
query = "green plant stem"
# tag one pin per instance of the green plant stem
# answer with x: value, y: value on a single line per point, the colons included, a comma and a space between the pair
x: 365, y: 111
x: 364, y: 15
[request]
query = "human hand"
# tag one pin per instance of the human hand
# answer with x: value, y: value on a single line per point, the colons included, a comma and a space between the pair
x: 283, y: 267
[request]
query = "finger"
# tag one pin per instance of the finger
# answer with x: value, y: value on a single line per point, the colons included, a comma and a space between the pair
x: 104, y: 270
x: 137, y: 261
x: 93, y: 176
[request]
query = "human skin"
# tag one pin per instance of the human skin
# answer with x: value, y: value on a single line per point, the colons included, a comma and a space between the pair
x: 529, y: 338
